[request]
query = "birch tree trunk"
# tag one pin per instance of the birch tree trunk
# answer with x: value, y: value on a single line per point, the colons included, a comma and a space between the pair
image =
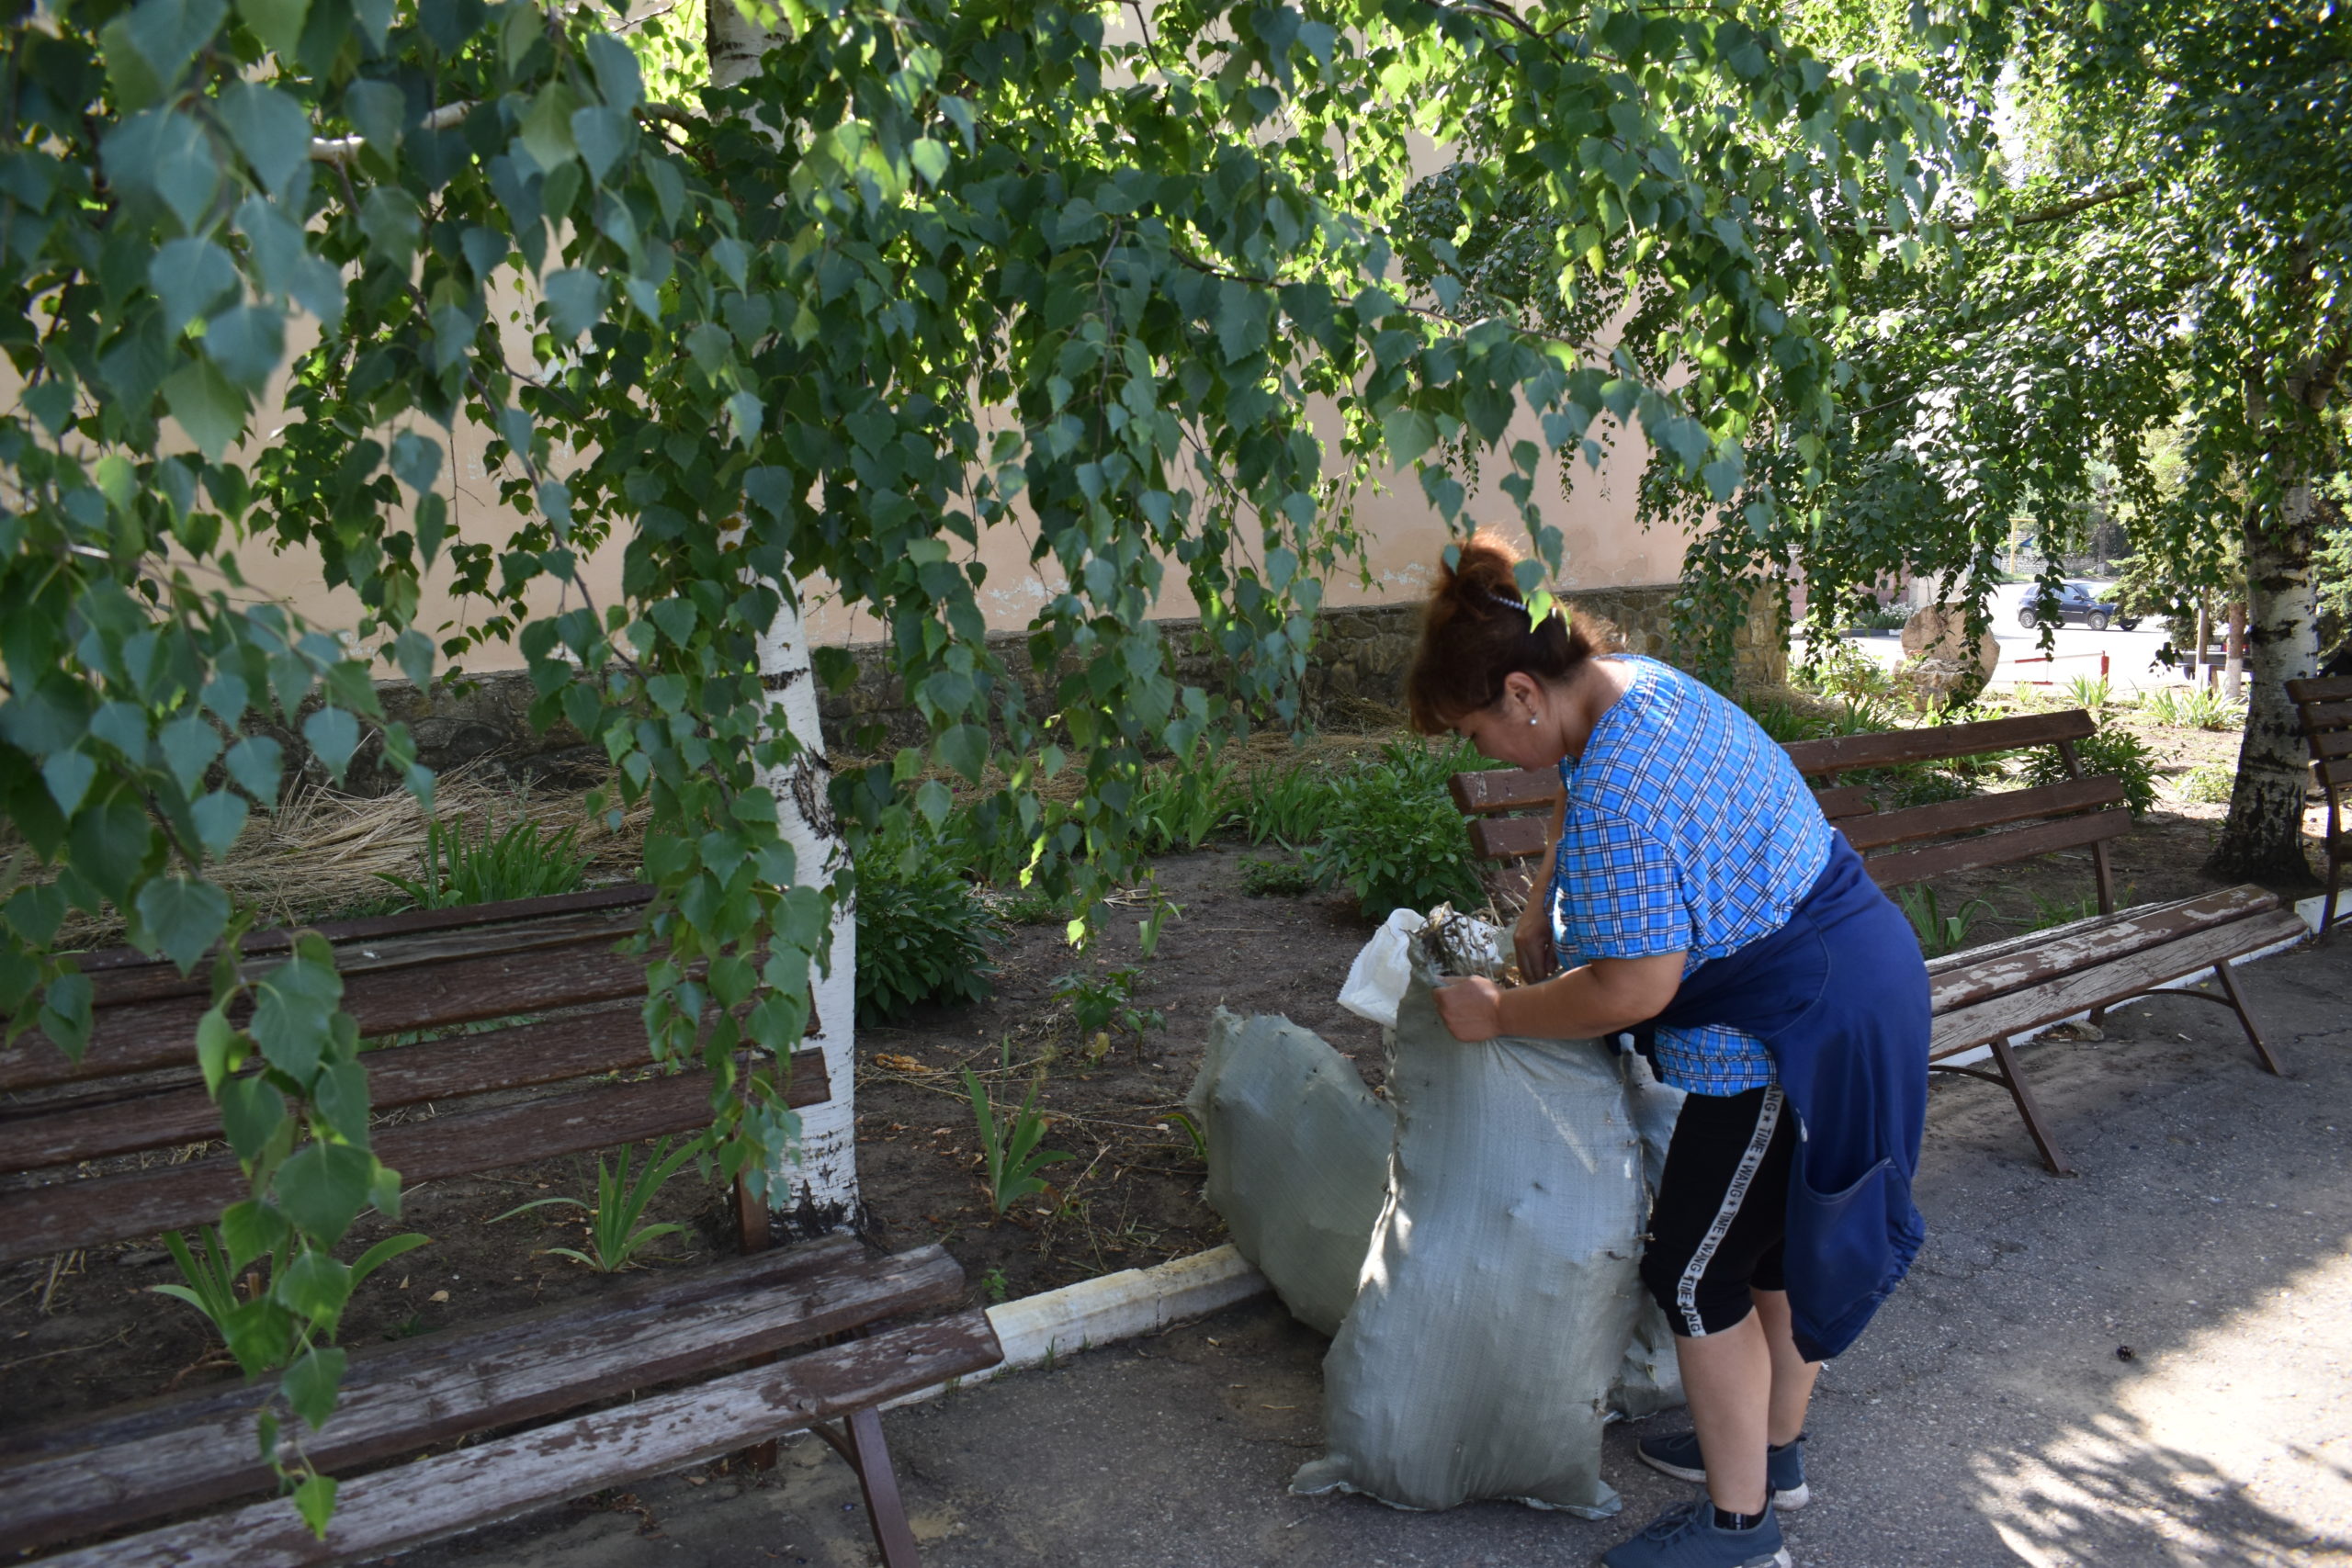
x: 821, y: 1190
x: 2262, y: 838
x: 2233, y: 656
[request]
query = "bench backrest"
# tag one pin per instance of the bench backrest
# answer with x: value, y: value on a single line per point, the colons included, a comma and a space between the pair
x: 569, y: 1007
x: 1511, y: 809
x: 2325, y: 708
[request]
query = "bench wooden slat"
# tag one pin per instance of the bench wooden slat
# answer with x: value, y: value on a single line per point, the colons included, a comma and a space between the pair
x: 609, y: 1040
x: 1509, y: 838
x: 2105, y: 985
x: 39, y: 1221
x: 73, y: 1480
x: 2104, y: 940
x: 1974, y: 812
x: 434, y: 992
x: 2330, y: 775
x: 2208, y: 909
x: 1492, y: 790
x: 1995, y: 849
x: 2330, y: 744
x: 1844, y: 753
x: 2326, y: 716
x: 408, y: 922
x: 2321, y: 689
x: 157, y: 980
x: 395, y: 1510
x: 1841, y: 801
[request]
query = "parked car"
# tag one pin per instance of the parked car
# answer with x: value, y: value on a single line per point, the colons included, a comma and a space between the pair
x: 2075, y: 602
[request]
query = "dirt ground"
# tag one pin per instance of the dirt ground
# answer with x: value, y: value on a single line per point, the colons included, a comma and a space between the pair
x: 85, y: 1331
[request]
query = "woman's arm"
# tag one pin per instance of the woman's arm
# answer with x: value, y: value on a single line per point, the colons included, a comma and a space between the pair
x: 1599, y: 998
x: 1532, y: 935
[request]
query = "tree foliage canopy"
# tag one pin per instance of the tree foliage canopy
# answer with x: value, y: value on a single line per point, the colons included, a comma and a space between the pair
x: 930, y: 270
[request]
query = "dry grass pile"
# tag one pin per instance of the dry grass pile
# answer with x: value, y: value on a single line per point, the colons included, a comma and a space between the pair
x: 323, y: 853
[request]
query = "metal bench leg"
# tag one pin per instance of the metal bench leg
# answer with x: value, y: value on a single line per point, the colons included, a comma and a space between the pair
x: 2237, y: 1005
x: 2013, y: 1077
x: 860, y: 1442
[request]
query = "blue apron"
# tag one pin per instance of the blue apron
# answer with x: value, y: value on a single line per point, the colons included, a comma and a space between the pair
x: 1839, y: 997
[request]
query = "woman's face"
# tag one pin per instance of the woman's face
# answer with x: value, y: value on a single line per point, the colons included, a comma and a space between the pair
x: 1504, y: 733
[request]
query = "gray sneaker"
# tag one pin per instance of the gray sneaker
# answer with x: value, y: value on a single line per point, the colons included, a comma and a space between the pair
x: 1783, y: 1467
x: 1685, y: 1537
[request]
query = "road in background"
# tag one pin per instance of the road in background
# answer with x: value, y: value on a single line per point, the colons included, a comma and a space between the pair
x: 2131, y: 656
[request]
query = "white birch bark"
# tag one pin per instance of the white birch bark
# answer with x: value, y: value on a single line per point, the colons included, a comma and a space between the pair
x: 2263, y: 836
x: 821, y: 1188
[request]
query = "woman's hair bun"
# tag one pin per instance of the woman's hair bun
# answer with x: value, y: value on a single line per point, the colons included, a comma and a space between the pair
x: 1477, y: 630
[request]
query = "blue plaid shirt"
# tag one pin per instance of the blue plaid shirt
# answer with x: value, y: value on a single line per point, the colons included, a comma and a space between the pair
x: 1687, y: 830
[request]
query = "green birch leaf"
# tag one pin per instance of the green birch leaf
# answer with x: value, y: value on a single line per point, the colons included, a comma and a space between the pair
x: 310, y: 1386
x: 277, y: 23
x: 272, y: 133
x: 208, y: 407
x: 323, y: 1186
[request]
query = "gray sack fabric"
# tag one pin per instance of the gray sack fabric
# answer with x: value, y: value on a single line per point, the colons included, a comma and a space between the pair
x: 1499, y: 1292
x: 1298, y: 1158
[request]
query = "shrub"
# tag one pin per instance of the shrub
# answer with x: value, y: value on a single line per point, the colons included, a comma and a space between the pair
x: 2117, y: 753
x: 524, y: 862
x: 2209, y: 784
x: 1394, y: 837
x: 1842, y: 671
x: 922, y: 930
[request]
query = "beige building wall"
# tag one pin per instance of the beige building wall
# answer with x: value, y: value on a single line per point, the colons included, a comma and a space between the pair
x: 1604, y: 547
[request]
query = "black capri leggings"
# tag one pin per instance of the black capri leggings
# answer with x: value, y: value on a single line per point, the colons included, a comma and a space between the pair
x: 1721, y: 1210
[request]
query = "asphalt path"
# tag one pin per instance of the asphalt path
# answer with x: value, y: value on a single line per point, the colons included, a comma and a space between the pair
x: 2148, y: 1366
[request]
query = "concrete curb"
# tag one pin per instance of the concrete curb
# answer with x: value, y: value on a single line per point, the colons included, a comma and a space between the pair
x: 1036, y: 1330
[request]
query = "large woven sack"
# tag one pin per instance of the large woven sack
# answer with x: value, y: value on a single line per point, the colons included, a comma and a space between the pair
x: 1499, y: 1292
x: 1298, y: 1158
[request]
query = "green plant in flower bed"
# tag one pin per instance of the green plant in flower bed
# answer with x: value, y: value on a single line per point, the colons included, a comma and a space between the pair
x: 485, y: 867
x: 1178, y: 807
x: 2191, y: 707
x: 1029, y: 909
x: 617, y: 1227
x: 1009, y: 1145
x: 1275, y: 876
x: 1938, y: 932
x: 1105, y: 1003
x: 923, y: 929
x: 1393, y: 836
x: 2117, y: 753
x: 305, y: 1291
x: 1287, y: 807
x: 2209, y: 784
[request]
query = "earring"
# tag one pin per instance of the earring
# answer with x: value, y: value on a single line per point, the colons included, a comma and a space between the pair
x: 1531, y: 723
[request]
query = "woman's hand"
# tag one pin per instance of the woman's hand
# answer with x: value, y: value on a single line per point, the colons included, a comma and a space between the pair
x: 1531, y: 937
x: 1472, y: 1008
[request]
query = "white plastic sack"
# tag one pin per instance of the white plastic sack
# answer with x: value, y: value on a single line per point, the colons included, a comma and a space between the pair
x: 1499, y: 1292
x: 1298, y: 1158
x: 1378, y: 976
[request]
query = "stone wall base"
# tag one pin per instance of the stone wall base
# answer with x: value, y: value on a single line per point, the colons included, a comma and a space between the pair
x: 1355, y: 670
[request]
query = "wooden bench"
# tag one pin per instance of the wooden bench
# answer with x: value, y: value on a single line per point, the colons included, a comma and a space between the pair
x: 654, y: 1373
x: 2324, y: 708
x: 1983, y: 996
